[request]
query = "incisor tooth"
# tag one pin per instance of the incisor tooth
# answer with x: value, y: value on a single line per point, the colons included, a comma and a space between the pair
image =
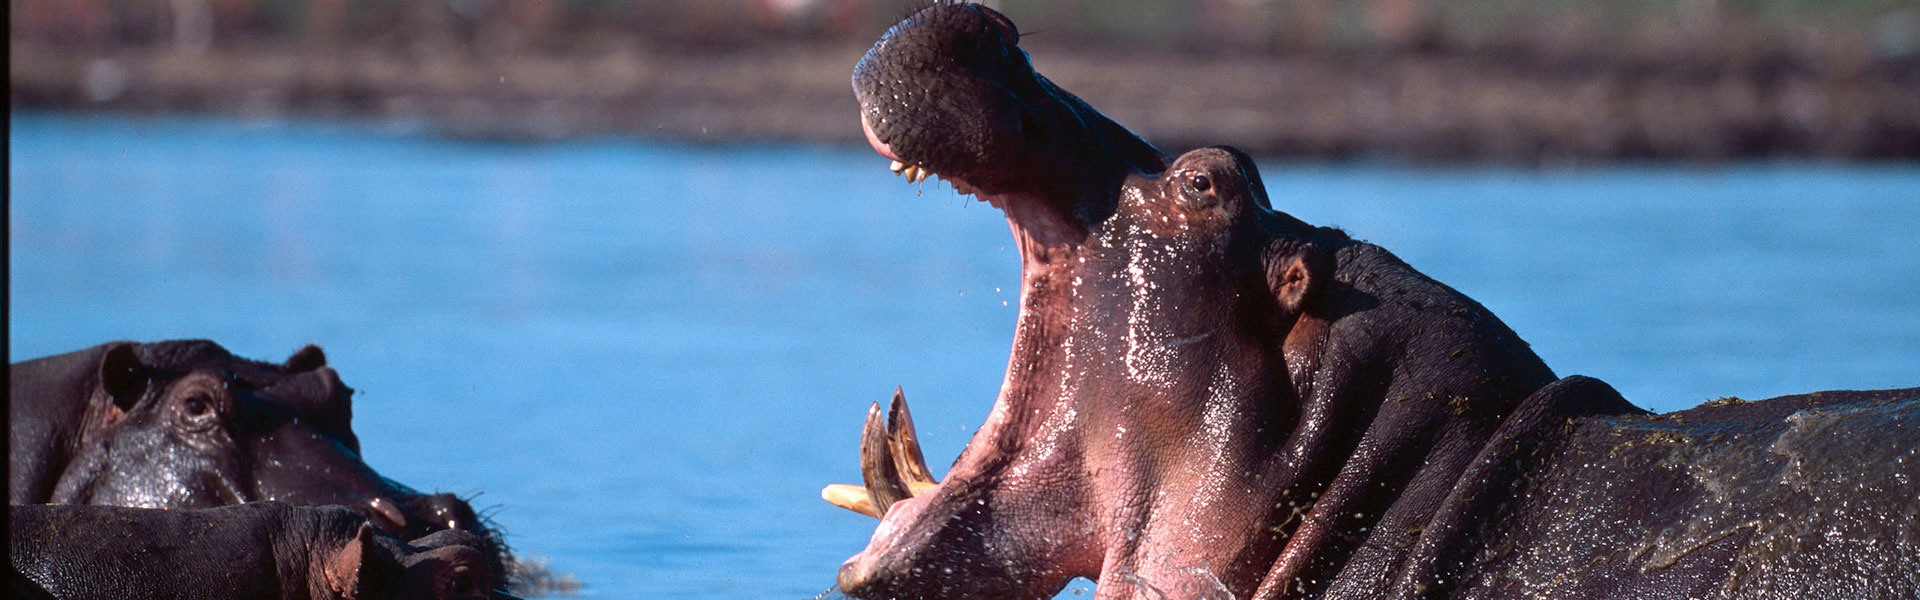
x: 850, y: 497
x: 897, y: 166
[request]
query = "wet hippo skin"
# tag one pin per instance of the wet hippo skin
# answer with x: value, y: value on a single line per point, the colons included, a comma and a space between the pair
x: 186, y: 424
x: 1209, y: 398
x: 255, y: 550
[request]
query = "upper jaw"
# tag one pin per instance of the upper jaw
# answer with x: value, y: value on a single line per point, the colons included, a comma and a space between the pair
x: 949, y: 93
x: 1054, y: 185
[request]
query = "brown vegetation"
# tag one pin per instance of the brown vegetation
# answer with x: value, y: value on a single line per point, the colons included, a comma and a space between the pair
x: 1695, y: 80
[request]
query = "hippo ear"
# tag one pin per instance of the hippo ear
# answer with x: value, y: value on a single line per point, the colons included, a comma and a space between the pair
x: 306, y: 359
x: 344, y: 569
x: 122, y: 377
x: 1293, y: 274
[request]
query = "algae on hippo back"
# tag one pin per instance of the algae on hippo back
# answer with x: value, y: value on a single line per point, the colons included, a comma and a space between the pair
x: 1752, y: 484
x: 1206, y: 395
x: 1778, y: 491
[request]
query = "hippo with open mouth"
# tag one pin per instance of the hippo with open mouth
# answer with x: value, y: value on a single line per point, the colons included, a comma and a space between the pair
x: 1208, y: 398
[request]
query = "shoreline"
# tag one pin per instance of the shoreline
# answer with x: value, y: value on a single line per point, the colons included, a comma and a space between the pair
x: 1432, y: 107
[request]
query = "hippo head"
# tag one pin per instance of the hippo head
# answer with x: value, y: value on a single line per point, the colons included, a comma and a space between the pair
x: 1141, y: 433
x: 185, y: 424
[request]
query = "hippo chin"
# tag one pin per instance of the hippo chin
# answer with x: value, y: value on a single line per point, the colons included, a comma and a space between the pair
x: 1207, y: 398
x: 186, y: 424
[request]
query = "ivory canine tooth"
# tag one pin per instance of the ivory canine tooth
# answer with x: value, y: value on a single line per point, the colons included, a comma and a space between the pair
x: 904, y: 445
x: 896, y: 167
x: 877, y: 470
x: 850, y: 497
x: 891, y: 463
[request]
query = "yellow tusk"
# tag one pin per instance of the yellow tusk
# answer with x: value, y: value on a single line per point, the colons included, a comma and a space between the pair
x: 850, y: 497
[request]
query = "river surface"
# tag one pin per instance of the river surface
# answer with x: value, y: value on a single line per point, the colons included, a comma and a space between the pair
x: 644, y: 359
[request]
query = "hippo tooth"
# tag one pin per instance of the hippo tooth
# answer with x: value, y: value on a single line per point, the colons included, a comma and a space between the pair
x: 850, y: 497
x: 877, y: 470
x: 897, y: 166
x: 908, y: 172
x: 904, y: 444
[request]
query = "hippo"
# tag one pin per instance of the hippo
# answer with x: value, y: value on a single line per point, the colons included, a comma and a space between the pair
x: 254, y: 550
x: 1209, y: 398
x: 186, y: 424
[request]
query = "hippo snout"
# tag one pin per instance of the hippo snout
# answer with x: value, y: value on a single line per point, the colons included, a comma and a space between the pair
x: 446, y: 511
x: 419, y: 515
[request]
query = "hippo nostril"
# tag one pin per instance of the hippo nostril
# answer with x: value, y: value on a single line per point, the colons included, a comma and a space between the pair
x: 449, y: 511
x: 849, y: 579
x: 462, y: 585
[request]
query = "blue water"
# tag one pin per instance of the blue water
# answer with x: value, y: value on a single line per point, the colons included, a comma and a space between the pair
x: 647, y: 358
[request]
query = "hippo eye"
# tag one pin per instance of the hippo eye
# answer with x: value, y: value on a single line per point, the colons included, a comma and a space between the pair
x: 197, y: 406
x: 198, y: 410
x: 1200, y: 182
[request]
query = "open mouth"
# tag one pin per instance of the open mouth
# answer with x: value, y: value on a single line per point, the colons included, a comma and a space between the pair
x: 948, y: 94
x: 912, y: 172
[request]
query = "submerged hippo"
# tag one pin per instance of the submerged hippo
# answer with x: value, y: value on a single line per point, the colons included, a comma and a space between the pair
x: 1208, y: 398
x: 186, y: 424
x: 257, y: 550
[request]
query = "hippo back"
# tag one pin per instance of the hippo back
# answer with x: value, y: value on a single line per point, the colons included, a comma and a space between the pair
x: 1809, y: 496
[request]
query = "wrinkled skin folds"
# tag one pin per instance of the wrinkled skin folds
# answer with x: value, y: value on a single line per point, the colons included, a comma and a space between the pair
x: 185, y: 424
x: 1208, y: 398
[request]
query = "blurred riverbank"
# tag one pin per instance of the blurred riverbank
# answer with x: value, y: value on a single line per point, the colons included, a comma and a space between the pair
x: 1676, y: 86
